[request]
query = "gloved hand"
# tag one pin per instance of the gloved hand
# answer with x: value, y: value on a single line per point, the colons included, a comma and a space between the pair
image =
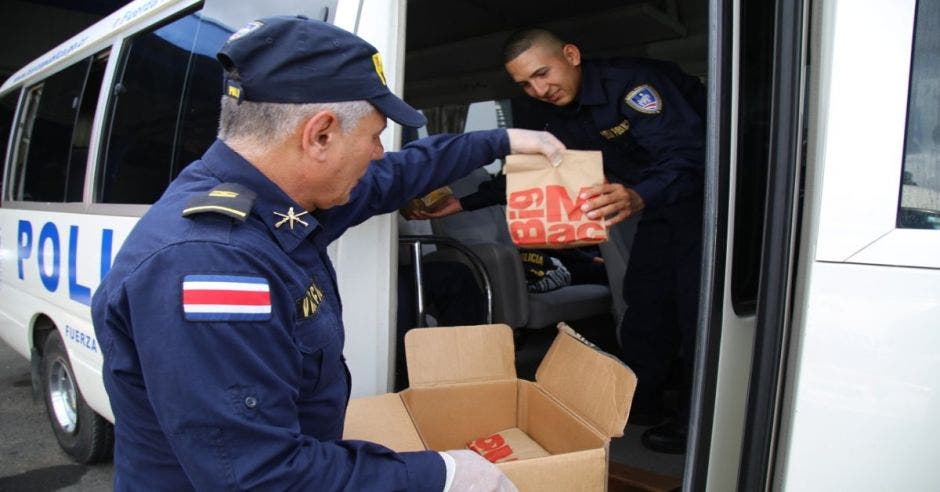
x: 523, y: 141
x: 473, y: 473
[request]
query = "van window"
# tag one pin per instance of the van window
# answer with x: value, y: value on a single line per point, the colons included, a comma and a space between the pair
x: 7, y: 109
x: 920, y: 186
x: 201, y: 99
x: 81, y: 134
x: 54, y: 133
x: 757, y: 19
x: 158, y: 115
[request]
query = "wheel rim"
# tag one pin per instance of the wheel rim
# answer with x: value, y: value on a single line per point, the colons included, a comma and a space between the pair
x: 62, y: 396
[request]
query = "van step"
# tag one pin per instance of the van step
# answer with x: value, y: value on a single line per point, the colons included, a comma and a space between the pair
x: 623, y: 478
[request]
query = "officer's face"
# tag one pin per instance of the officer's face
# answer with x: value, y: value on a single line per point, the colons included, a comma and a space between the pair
x: 549, y: 74
x: 358, y: 149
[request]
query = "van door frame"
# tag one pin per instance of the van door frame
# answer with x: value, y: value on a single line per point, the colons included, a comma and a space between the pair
x: 779, y: 251
x: 719, y: 145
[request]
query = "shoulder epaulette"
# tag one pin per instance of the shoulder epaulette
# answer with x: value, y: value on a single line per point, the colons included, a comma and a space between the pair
x: 230, y: 199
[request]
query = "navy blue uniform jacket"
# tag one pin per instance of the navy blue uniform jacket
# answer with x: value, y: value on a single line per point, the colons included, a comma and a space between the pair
x: 252, y: 393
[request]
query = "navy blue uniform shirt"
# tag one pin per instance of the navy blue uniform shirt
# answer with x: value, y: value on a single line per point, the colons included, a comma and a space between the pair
x: 223, y: 339
x: 653, y: 142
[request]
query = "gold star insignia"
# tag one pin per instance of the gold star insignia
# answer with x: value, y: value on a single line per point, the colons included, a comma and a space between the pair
x: 290, y: 217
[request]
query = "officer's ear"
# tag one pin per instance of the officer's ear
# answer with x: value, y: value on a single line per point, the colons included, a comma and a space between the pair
x: 572, y: 54
x: 319, y: 132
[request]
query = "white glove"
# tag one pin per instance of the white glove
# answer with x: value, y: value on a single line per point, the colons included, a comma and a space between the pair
x: 473, y: 473
x: 535, y: 142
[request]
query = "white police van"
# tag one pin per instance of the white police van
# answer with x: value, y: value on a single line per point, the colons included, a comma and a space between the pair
x: 818, y: 343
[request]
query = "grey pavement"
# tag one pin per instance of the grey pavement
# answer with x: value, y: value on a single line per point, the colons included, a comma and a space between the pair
x: 30, y: 458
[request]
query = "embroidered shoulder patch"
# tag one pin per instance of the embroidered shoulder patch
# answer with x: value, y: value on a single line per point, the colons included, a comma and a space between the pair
x: 644, y: 99
x: 226, y: 298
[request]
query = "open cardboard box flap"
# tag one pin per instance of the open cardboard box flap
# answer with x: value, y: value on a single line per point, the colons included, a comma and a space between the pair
x: 460, y: 354
x: 593, y: 385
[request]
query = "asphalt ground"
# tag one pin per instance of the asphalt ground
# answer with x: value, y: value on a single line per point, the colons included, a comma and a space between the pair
x: 30, y: 458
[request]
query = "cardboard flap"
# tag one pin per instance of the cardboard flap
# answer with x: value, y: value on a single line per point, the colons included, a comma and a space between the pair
x: 459, y: 354
x: 382, y: 419
x: 592, y: 383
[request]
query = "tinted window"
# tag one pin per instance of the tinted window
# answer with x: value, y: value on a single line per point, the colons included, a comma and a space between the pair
x: 200, y: 118
x: 55, y: 130
x: 81, y: 134
x: 757, y: 21
x: 920, y: 186
x: 164, y: 110
x: 7, y: 109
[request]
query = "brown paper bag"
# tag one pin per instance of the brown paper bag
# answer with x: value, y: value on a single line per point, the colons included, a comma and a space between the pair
x: 543, y: 204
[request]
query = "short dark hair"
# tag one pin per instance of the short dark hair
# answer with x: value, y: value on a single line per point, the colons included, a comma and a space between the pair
x: 523, y: 39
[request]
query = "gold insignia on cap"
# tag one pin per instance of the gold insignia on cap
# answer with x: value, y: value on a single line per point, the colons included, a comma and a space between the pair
x: 234, y: 90
x: 290, y: 217
x: 377, y: 61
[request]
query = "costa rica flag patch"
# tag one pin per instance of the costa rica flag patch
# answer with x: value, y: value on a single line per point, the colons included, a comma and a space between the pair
x: 226, y: 298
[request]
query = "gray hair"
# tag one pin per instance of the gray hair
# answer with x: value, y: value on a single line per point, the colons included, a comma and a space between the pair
x: 520, y: 41
x: 262, y: 124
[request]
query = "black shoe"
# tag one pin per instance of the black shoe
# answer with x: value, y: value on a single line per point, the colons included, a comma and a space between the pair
x: 667, y: 438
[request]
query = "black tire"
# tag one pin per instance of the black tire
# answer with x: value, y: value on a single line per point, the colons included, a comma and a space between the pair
x: 83, y: 434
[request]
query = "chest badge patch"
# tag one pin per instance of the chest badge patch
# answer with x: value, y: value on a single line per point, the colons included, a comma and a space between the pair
x: 616, y: 131
x: 644, y: 99
x: 226, y: 298
x: 290, y: 217
x: 308, y: 304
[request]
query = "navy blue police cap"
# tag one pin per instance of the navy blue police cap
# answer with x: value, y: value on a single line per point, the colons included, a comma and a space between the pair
x: 299, y: 60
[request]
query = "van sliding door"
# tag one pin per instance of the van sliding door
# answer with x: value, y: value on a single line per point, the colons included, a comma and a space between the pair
x: 752, y: 181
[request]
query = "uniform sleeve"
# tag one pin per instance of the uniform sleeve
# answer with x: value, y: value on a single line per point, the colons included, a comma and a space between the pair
x: 416, y: 169
x: 674, y: 137
x: 223, y: 380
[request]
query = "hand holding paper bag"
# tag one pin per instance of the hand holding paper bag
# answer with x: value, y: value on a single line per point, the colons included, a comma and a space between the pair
x: 544, y: 202
x: 614, y: 201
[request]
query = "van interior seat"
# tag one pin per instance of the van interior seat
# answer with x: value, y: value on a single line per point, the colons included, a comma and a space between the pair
x: 485, y: 232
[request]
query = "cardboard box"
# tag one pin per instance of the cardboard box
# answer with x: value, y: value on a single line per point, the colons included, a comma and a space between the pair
x: 464, y: 387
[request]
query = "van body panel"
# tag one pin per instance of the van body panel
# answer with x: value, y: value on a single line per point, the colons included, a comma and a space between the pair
x: 863, y: 414
x: 859, y: 411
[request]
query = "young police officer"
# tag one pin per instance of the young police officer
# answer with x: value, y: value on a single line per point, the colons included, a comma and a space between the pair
x: 220, y: 320
x: 646, y: 116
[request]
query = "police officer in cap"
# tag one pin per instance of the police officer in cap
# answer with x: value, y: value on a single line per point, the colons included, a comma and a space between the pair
x: 646, y: 116
x: 220, y: 320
